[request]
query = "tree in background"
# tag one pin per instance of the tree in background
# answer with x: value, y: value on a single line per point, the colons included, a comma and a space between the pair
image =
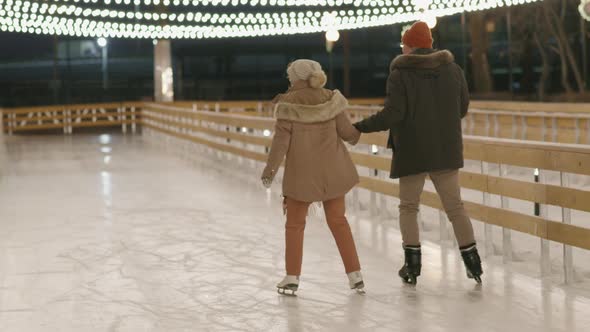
x: 531, y: 34
x: 550, y: 30
x: 551, y: 35
x: 480, y: 65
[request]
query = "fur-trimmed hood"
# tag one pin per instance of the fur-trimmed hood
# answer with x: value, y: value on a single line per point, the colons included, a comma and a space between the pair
x: 312, y: 113
x: 422, y: 59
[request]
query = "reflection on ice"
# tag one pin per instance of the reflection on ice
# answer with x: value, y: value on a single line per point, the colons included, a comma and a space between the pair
x: 107, y: 195
x: 105, y: 139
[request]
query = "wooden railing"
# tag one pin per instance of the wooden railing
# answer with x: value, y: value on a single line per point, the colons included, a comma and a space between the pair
x: 69, y: 117
x: 562, y: 123
x: 559, y: 122
x: 225, y: 106
x: 222, y: 131
x: 512, y: 106
x: 547, y: 122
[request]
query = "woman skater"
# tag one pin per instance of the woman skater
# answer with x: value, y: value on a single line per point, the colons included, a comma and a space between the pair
x: 310, y: 129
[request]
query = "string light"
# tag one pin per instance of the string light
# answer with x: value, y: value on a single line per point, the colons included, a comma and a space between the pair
x: 430, y: 19
x: 262, y: 3
x: 117, y: 19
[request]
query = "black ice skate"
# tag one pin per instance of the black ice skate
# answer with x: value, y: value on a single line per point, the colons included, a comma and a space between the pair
x: 472, y: 262
x: 413, y: 265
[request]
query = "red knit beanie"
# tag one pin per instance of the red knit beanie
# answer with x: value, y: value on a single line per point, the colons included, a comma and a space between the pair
x: 418, y: 36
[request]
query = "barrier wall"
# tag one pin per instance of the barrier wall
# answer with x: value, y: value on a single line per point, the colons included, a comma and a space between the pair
x: 70, y: 117
x: 548, y: 122
x: 559, y: 122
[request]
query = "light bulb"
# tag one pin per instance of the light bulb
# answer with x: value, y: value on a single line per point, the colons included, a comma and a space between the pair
x: 102, y: 42
x: 430, y: 19
x: 332, y: 35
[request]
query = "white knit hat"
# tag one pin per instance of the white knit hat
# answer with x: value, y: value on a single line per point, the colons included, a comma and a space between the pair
x: 307, y: 70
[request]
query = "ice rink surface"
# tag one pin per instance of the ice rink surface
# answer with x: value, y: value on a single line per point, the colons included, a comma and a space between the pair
x: 117, y: 234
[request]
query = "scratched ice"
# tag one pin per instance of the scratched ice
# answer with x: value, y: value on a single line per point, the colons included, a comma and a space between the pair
x: 125, y: 235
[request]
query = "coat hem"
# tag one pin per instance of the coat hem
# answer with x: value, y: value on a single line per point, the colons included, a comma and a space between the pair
x: 322, y: 199
x: 395, y: 176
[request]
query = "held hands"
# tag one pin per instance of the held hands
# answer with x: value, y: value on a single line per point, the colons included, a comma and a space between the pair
x: 357, y: 136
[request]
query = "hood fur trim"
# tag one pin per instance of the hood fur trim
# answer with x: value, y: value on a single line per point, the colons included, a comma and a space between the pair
x: 423, y: 61
x: 312, y: 113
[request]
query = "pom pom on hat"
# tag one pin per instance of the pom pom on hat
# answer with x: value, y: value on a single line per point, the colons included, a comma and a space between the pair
x: 318, y: 80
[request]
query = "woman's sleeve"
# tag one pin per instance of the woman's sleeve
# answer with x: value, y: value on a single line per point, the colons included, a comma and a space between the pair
x: 346, y: 130
x: 279, y: 148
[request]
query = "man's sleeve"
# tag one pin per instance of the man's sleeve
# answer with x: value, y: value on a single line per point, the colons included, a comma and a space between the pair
x: 464, y: 94
x: 394, y: 110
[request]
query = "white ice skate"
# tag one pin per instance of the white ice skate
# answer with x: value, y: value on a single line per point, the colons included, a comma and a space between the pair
x: 355, y: 280
x: 288, y: 286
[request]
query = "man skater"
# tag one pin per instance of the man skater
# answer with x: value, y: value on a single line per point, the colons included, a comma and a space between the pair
x: 427, y: 96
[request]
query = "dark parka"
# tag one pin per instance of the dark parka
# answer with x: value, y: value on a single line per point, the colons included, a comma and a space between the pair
x: 427, y: 96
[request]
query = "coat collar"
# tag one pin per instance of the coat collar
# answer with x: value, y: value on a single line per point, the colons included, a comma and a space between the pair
x: 423, y: 59
x: 312, y: 113
x: 300, y: 85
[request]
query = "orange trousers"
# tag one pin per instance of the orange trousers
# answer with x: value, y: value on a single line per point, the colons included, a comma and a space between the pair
x: 335, y: 215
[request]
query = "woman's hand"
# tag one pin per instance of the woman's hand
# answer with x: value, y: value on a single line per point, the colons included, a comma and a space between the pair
x: 266, y: 182
x: 267, y: 177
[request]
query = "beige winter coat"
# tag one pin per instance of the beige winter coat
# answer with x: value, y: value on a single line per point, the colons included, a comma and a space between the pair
x: 310, y: 129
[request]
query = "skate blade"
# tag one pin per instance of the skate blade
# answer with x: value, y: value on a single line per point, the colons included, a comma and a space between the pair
x: 476, y: 278
x: 412, y: 281
x: 359, y: 287
x: 287, y: 291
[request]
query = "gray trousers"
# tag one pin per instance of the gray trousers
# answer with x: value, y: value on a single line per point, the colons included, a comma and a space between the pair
x: 449, y: 191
